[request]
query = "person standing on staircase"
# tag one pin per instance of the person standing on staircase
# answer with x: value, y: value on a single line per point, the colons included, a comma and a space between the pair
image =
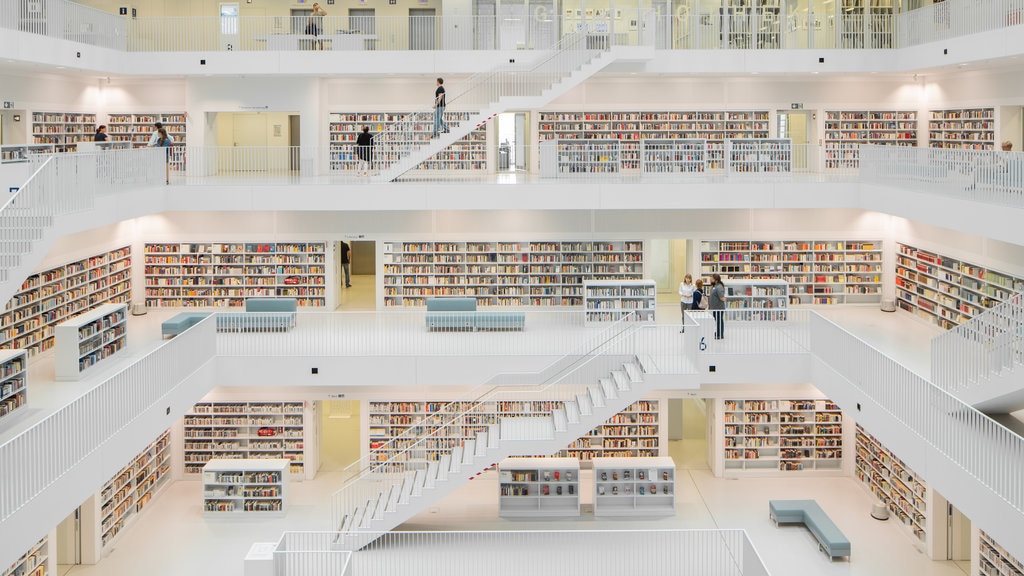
x: 439, y: 103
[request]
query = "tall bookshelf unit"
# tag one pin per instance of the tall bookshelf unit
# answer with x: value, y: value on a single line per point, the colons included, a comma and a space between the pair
x: 33, y: 562
x: 971, y: 128
x: 13, y: 381
x: 760, y: 156
x: 224, y: 274
x: 125, y: 495
x: 251, y: 486
x: 846, y: 129
x: 893, y: 483
x: 62, y: 129
x: 817, y: 271
x: 612, y: 300
x: 247, y: 430
x: 634, y: 486
x: 634, y: 432
x: 137, y: 128
x: 947, y: 291
x: 468, y: 154
x: 52, y: 296
x: 994, y: 560
x: 89, y: 338
x: 538, y: 487
x: 780, y: 436
x: 505, y: 273
x: 630, y: 128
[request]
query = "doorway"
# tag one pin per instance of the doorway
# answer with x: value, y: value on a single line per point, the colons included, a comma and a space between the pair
x: 340, y: 435
x: 421, y: 29
x: 228, y: 25
x: 687, y: 433
x: 69, y: 542
x: 363, y: 21
x: 257, y: 142
x: 958, y: 537
x: 798, y: 126
x: 512, y: 141
x: 362, y: 294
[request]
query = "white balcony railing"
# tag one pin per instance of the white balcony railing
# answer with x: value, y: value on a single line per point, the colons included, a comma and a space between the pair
x: 988, y: 344
x: 65, y: 20
x: 956, y: 18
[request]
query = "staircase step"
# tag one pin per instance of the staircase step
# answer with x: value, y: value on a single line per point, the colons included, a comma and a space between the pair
x: 393, y: 495
x: 456, y: 462
x: 634, y: 372
x: 377, y: 508
x: 560, y: 419
x: 493, y: 435
x: 584, y: 405
x: 418, y: 481
x: 444, y: 465
x: 468, y: 451
x: 596, y: 396
x: 609, y: 388
x: 432, y: 471
x: 481, y: 443
x: 405, y: 491
x: 572, y: 411
x: 622, y: 381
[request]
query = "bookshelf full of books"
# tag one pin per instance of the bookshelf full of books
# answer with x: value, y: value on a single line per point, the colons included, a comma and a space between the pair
x: 467, y: 154
x: 248, y: 430
x: 89, y: 338
x: 634, y: 486
x: 894, y: 484
x: 674, y: 157
x: 761, y: 156
x: 13, y: 381
x: 765, y: 299
x: 538, y: 487
x: 780, y: 436
x: 968, y: 128
x: 505, y: 273
x: 613, y: 300
x: 36, y: 561
x: 634, y: 432
x: 138, y: 128
x: 54, y: 295
x: 994, y: 560
x: 845, y: 130
x: 62, y: 129
x: 11, y: 154
x: 817, y: 271
x: 224, y: 274
x: 948, y: 291
x: 249, y: 486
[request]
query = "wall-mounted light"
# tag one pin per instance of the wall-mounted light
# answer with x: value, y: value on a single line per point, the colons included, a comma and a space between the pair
x: 17, y: 117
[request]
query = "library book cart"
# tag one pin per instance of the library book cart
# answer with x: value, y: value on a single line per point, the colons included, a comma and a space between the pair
x: 539, y: 487
x: 634, y: 486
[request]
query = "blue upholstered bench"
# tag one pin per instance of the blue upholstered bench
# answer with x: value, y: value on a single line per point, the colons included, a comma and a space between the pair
x: 451, y: 313
x: 261, y: 315
x: 181, y: 322
x: 807, y: 512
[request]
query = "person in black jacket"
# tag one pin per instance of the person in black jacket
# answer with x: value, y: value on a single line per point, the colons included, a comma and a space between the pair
x: 364, y: 151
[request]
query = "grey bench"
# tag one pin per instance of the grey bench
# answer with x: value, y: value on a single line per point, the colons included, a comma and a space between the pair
x: 261, y: 315
x: 830, y: 538
x: 180, y: 322
x: 457, y: 313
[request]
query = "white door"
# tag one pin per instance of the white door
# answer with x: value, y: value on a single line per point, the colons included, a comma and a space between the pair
x: 421, y: 29
x: 250, y: 142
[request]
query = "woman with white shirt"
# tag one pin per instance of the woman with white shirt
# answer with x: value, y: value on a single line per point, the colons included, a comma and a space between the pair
x: 686, y: 289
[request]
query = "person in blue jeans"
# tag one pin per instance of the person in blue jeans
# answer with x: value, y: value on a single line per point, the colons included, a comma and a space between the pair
x: 716, y: 302
x: 439, y: 103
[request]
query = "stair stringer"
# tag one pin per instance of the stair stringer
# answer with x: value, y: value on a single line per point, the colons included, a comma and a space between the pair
x: 21, y: 257
x: 474, y: 464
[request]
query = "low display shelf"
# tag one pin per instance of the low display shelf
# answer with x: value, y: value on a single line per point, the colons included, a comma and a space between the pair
x: 131, y: 489
x: 895, y: 484
x: 817, y: 271
x: 90, y: 338
x: 239, y: 487
x: 245, y: 430
x: 33, y: 562
x: 12, y: 153
x: 612, y: 300
x: 678, y: 158
x: 634, y: 486
x: 538, y: 487
x: 947, y: 291
x: 13, y: 381
x: 994, y: 560
x: 781, y: 435
x: 760, y: 156
x: 591, y: 156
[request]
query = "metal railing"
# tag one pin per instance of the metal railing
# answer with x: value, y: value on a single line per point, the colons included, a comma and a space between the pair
x: 956, y: 18
x: 990, y: 176
x: 65, y: 20
x: 987, y: 344
x: 655, y: 552
x: 72, y: 433
x: 265, y: 163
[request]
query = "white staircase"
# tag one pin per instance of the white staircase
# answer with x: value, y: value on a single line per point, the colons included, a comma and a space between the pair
x: 391, y: 492
x: 510, y: 86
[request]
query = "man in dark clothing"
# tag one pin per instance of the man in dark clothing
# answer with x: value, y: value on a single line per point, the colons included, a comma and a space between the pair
x: 439, y: 104
x: 364, y: 151
x: 346, y: 255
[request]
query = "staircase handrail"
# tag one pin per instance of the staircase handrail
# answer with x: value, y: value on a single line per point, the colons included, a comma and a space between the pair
x: 984, y: 345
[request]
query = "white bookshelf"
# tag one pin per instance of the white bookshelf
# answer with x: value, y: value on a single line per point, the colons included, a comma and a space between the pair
x: 467, y: 154
x: 125, y: 495
x: 895, y: 484
x: 248, y: 430
x: 13, y: 381
x: 768, y: 299
x: 10, y: 154
x: 538, y: 487
x: 675, y: 157
x: 138, y: 128
x: 611, y: 300
x: 761, y: 156
x: 504, y: 273
x: 34, y: 562
x: 845, y: 130
x: 88, y: 339
x: 54, y: 295
x: 62, y: 129
x: 948, y: 291
x: 817, y: 271
x: 586, y: 156
x: 994, y: 560
x: 634, y: 486
x: 969, y: 128
x: 224, y: 274
x: 243, y: 487
x: 764, y: 437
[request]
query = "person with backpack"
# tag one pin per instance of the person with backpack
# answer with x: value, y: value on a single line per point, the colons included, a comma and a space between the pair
x: 700, y: 300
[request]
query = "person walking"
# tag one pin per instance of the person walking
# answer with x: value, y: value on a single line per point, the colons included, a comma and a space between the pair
x: 686, y: 289
x: 346, y: 258
x: 439, y: 104
x: 101, y: 134
x: 716, y: 302
x: 364, y: 151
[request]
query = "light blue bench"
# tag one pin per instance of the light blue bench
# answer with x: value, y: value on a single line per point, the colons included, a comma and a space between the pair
x: 181, y: 322
x: 457, y: 313
x: 807, y: 512
x: 261, y: 315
